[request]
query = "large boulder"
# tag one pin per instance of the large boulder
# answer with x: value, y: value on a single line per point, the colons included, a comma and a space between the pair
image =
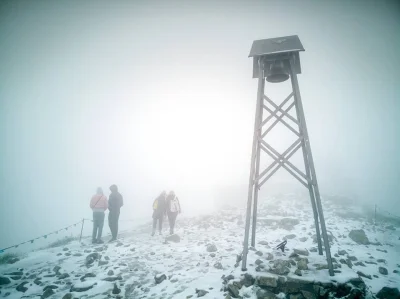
x: 388, y: 293
x: 359, y: 236
x: 265, y: 294
x: 266, y: 281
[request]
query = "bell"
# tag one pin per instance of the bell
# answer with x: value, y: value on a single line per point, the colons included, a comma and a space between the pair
x: 277, y: 72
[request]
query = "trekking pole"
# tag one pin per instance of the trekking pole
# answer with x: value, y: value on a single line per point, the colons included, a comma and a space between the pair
x: 83, y: 221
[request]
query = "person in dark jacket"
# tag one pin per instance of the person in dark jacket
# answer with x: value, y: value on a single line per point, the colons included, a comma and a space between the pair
x: 115, y: 202
x: 159, y: 210
x: 173, y: 209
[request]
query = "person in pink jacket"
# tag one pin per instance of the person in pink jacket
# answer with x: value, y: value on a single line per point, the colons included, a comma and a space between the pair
x: 98, y: 204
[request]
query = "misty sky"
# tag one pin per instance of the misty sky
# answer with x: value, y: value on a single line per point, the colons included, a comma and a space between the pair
x: 154, y: 95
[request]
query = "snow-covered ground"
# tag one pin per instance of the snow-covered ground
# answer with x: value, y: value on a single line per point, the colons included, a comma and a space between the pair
x: 130, y: 267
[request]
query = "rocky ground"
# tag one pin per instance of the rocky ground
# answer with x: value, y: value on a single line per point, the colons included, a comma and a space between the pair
x: 203, y: 259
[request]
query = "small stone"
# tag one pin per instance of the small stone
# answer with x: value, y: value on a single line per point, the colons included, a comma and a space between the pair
x: 263, y: 243
x: 267, y: 281
x: 298, y: 272
x: 211, y: 248
x: 352, y: 258
x: 212, y: 254
x: 302, y: 264
x: 65, y: 249
x: 364, y: 275
x: 265, y: 294
x: 67, y: 296
x: 303, y: 239
x: 258, y: 262
x: 308, y: 295
x: 233, y: 290
x: 81, y: 289
x: 259, y: 253
x: 63, y: 276
x: 201, y: 293
x: 359, y: 264
x: 270, y: 256
x: 47, y: 293
x: 342, y: 252
x: 110, y: 273
x: 359, y: 236
x: 288, y: 237
x: 116, y: 290
x: 102, y: 263
x: 218, y: 265
x: 381, y: 261
x: 301, y: 251
x: 160, y: 278
x: 383, y: 271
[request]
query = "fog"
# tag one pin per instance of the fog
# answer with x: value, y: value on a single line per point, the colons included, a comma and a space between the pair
x: 159, y: 95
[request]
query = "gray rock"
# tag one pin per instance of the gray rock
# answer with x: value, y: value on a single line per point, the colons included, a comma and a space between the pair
x: 173, y: 238
x: 265, y: 294
x: 102, y: 263
x: 211, y: 248
x: 92, y: 257
x: 308, y: 295
x: 212, y: 254
x: 114, y: 278
x: 160, y: 278
x: 47, y: 293
x: 81, y: 289
x: 359, y: 236
x: 201, y: 293
x: 233, y: 290
x: 87, y: 275
x: 13, y: 260
x: 388, y: 293
x: 364, y: 275
x: 302, y: 264
x: 359, y: 264
x: 63, y: 276
x: 67, y: 296
x: 263, y: 243
x: 342, y: 252
x: 298, y: 272
x: 21, y: 287
x: 381, y: 261
x: 303, y: 239
x: 269, y: 257
x: 259, y: 253
x: 352, y: 258
x: 301, y: 251
x: 267, y: 281
x: 4, y: 280
x: 288, y: 237
x: 110, y: 273
x: 116, y: 290
x: 258, y: 262
x: 247, y: 280
x: 218, y: 265
x: 383, y: 271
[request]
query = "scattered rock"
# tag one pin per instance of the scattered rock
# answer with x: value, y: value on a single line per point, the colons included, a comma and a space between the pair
x: 303, y: 239
x: 63, y: 276
x: 342, y: 252
x: 212, y: 254
x: 201, y: 293
x: 81, y: 287
x: 258, y: 262
x: 110, y: 273
x: 247, y: 280
x: 364, y: 275
x: 381, y: 261
x: 65, y: 249
x: 4, y: 280
x: 76, y: 254
x: 173, y: 238
x: 92, y: 257
x: 87, y: 275
x: 102, y: 263
x: 233, y: 290
x: 359, y: 236
x: 160, y: 278
x: 265, y: 294
x: 288, y: 237
x: 270, y: 256
x: 302, y: 264
x: 383, y: 271
x: 267, y: 281
x: 259, y: 253
x: 313, y: 249
x: 352, y: 258
x: 263, y: 243
x: 116, y: 290
x: 37, y: 281
x: 388, y: 293
x: 298, y: 272
x: 67, y: 296
x: 16, y: 277
x: 218, y: 265
x: 301, y: 251
x: 47, y: 293
x: 52, y: 287
x: 21, y: 287
x: 113, y: 278
x: 211, y: 248
x: 308, y: 295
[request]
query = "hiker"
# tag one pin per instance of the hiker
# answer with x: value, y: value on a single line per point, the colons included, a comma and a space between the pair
x: 159, y: 210
x: 173, y: 209
x: 115, y: 202
x: 99, y: 205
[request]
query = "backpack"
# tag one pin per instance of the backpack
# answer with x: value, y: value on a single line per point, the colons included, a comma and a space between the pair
x: 174, y: 205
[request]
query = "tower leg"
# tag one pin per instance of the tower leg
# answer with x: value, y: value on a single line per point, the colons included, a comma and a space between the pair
x: 257, y: 171
x: 257, y: 124
x: 296, y: 89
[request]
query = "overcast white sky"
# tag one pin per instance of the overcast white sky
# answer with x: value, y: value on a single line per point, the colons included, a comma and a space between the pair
x: 153, y: 95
